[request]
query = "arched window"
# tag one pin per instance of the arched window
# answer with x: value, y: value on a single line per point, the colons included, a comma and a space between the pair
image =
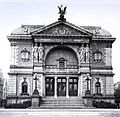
x: 24, y: 87
x: 98, y: 87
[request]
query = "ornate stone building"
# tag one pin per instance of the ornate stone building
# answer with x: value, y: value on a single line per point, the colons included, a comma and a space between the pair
x: 70, y: 62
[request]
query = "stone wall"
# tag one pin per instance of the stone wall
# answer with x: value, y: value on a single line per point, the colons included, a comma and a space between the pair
x: 99, y: 46
x: 14, y: 55
x: 28, y: 47
x: 29, y: 80
x: 109, y: 86
x: 84, y: 84
x: 108, y: 59
x: 11, y: 85
x: 102, y: 81
x: 106, y: 49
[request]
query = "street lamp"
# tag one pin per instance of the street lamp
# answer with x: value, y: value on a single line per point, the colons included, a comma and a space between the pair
x: 87, y: 92
x: 36, y: 91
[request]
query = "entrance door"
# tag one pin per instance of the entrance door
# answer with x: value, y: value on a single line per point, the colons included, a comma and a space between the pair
x: 73, y: 86
x: 49, y: 84
x: 61, y: 87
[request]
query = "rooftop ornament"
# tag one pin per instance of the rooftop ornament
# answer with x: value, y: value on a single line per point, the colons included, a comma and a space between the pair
x: 62, y: 12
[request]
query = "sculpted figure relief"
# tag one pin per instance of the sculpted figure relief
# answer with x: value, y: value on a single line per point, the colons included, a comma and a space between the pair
x: 40, y: 51
x: 35, y: 53
x: 84, y: 54
x: 87, y: 54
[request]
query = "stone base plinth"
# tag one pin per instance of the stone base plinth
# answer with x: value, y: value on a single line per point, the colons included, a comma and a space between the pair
x: 88, y: 100
x: 87, y: 92
x: 35, y: 100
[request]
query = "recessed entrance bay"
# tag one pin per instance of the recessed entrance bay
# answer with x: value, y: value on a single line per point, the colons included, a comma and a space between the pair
x: 61, y: 87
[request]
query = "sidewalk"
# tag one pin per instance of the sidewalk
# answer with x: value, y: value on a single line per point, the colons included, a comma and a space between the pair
x: 59, y: 113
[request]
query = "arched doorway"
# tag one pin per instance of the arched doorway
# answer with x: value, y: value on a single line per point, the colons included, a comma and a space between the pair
x: 61, y: 61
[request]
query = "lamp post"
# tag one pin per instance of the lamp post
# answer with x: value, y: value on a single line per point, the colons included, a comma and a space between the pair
x: 87, y: 92
x: 36, y: 91
x: 35, y: 96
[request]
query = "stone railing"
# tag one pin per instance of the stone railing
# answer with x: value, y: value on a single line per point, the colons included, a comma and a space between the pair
x: 55, y: 68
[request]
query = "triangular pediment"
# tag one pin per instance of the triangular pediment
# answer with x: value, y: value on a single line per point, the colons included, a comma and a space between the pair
x: 62, y: 29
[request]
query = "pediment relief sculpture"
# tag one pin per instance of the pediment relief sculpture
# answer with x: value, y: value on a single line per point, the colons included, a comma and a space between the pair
x: 62, y: 30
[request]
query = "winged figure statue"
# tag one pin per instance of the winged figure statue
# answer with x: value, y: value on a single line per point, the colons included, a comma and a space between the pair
x: 62, y: 12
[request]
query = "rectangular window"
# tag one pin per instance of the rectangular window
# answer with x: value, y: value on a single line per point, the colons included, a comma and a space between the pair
x: 97, y: 56
x: 61, y: 64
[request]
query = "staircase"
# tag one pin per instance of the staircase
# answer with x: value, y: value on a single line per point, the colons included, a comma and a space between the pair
x: 62, y: 103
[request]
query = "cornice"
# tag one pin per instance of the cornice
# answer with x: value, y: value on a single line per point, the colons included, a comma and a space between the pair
x: 60, y: 36
x: 11, y: 73
x: 20, y: 67
x: 102, y: 68
x: 102, y: 73
x: 101, y: 38
x: 19, y: 37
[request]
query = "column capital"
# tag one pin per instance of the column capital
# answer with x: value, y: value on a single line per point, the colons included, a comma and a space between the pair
x: 55, y: 77
x: 67, y: 77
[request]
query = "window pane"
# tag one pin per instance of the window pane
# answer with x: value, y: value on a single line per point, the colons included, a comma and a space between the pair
x: 70, y: 80
x: 47, y: 80
x: 25, y: 55
x: 47, y: 85
x: 75, y: 86
x: 61, y: 64
x: 59, y: 80
x: 63, y: 80
x: 75, y: 80
x: 95, y: 56
x: 70, y: 86
x: 99, y: 56
x: 51, y: 80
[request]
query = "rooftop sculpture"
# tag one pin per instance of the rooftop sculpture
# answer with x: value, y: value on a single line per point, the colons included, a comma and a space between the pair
x: 62, y: 12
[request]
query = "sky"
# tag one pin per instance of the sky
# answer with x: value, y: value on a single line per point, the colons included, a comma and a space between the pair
x: 14, y: 13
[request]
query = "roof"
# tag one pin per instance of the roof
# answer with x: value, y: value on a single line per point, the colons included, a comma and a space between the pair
x: 29, y: 29
x: 26, y: 29
x: 96, y: 30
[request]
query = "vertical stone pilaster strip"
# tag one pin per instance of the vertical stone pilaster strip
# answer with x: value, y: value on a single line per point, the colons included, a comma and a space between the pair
x: 43, y: 86
x: 79, y: 86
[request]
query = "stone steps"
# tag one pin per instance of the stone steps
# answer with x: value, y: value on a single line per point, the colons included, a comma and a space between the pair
x: 62, y: 103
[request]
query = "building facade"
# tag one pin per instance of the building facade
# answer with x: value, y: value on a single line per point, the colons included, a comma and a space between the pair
x: 68, y: 61
x: 1, y: 87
